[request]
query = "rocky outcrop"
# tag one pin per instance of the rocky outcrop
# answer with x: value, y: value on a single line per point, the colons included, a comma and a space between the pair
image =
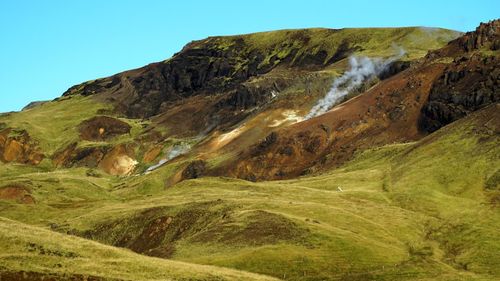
x: 468, y: 84
x: 18, y: 146
x: 100, y: 128
x: 212, y: 67
x: 485, y: 35
x: 114, y: 160
x: 74, y: 156
x: 194, y: 170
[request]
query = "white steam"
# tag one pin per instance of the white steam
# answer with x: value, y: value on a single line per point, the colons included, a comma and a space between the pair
x: 175, y: 151
x: 361, y: 70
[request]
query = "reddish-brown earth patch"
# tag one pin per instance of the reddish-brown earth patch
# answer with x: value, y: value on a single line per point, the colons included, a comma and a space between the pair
x: 17, y: 146
x: 101, y: 128
x: 152, y: 153
x: 119, y: 161
x: 72, y: 155
x: 17, y: 193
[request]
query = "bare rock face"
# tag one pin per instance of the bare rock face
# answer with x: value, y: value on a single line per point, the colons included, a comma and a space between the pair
x: 74, y: 156
x: 486, y: 34
x: 210, y: 67
x: 194, y: 170
x: 468, y: 84
x: 117, y: 160
x: 101, y: 128
x: 17, y: 146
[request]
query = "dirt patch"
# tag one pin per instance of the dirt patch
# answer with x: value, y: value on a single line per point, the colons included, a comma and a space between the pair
x: 119, y: 161
x: 17, y: 193
x: 154, y: 231
x: 152, y: 153
x: 18, y: 146
x: 72, y: 155
x: 101, y: 128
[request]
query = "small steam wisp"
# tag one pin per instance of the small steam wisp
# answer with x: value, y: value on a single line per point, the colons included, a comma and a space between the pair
x: 175, y: 151
x: 361, y: 69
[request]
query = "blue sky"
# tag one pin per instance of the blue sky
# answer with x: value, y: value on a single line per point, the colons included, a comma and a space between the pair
x: 48, y: 46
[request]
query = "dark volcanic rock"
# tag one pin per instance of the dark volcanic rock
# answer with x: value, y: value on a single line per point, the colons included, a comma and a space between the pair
x: 194, y: 170
x: 211, y: 67
x: 468, y: 84
x: 485, y: 34
x: 394, y: 69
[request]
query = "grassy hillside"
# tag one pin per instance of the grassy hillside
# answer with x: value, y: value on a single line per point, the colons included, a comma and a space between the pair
x: 416, y: 41
x: 36, y: 253
x: 418, y: 211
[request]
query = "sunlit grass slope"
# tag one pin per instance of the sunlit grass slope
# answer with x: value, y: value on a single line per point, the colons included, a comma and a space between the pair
x: 35, y: 251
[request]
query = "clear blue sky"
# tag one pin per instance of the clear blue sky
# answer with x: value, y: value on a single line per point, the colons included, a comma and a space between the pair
x: 48, y: 46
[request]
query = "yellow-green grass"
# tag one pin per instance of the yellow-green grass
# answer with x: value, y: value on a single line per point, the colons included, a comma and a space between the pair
x: 416, y: 41
x: 35, y: 250
x: 54, y: 125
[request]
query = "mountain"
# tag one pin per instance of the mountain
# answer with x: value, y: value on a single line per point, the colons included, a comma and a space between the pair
x: 313, y: 154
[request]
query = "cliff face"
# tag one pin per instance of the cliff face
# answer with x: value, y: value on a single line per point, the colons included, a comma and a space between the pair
x: 485, y: 35
x: 470, y: 82
x: 467, y: 84
x: 207, y: 67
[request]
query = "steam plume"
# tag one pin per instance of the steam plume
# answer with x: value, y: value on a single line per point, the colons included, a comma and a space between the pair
x: 175, y: 151
x: 361, y: 69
